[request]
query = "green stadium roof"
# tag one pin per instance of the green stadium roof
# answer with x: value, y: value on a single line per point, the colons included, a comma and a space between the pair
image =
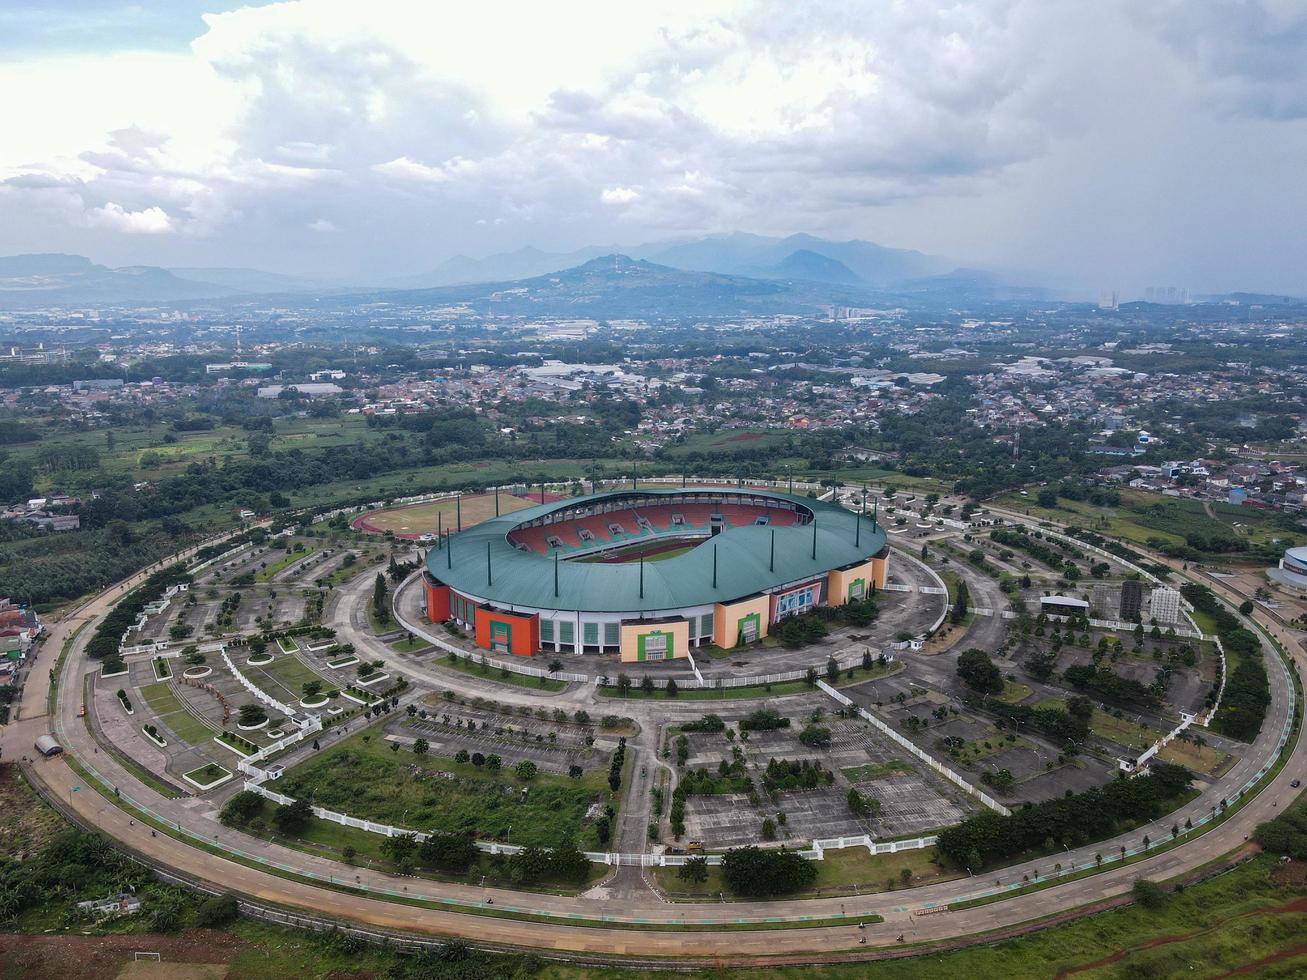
x: 518, y: 578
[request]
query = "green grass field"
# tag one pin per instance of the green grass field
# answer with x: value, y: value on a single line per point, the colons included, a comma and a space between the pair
x: 840, y: 873
x: 161, y: 700
x: 285, y: 678
x: 492, y: 673
x: 366, y: 779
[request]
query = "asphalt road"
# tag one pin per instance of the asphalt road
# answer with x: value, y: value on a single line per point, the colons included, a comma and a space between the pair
x: 901, y: 910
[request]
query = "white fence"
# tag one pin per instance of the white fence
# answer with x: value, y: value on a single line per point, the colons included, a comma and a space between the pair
x: 257, y: 779
x: 312, y: 725
x: 258, y: 692
x: 920, y: 753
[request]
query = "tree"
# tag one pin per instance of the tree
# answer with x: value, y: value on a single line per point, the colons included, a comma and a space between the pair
x: 816, y: 736
x: 623, y: 684
x: 379, y: 607
x: 493, y: 762
x: 449, y: 852
x: 251, y: 714
x: 768, y: 829
x: 241, y: 808
x: 1079, y: 706
x: 311, y: 689
x: 460, y: 756
x: 421, y: 746
x: 960, y: 602
x: 832, y: 670
x: 290, y: 818
x: 1246, y: 607
x: 757, y: 873
x: 401, y: 850
x: 694, y: 870
x: 525, y: 770
x: 672, y: 688
x: 555, y: 666
x: 647, y: 684
x: 1047, y: 498
x: 978, y: 672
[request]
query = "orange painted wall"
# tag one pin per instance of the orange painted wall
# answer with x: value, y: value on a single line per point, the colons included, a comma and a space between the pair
x: 524, y: 639
x: 437, y: 602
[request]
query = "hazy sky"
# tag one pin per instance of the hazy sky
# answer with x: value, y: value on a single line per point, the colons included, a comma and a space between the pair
x: 1098, y: 142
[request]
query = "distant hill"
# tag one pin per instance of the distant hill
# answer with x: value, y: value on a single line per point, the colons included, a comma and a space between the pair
x: 620, y: 286
x: 72, y: 280
x: 742, y: 254
x: 248, y: 280
x: 809, y: 265
x: 737, y: 254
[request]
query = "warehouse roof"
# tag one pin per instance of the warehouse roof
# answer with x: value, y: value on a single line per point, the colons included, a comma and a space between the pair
x: 482, y: 563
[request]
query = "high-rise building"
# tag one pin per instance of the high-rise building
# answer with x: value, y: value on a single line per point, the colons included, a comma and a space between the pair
x: 1132, y: 599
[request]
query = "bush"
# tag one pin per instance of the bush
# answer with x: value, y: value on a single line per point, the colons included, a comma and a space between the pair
x: 1148, y: 894
x: 216, y: 912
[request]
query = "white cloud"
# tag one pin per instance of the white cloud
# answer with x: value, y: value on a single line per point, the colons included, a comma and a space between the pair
x: 322, y: 226
x: 445, y: 128
x: 148, y: 221
x: 619, y: 195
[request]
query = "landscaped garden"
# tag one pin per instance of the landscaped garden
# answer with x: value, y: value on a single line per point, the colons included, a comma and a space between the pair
x: 364, y: 777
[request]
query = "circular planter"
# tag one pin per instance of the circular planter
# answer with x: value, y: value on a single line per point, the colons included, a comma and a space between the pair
x: 195, y: 673
x: 252, y: 728
x: 316, y: 703
x: 258, y: 661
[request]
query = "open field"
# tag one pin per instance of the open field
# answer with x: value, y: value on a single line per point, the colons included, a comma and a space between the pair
x: 417, y: 519
x: 1141, y: 516
x: 361, y: 776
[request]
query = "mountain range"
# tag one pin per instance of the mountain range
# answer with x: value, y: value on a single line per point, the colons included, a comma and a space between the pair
x: 720, y: 275
x: 739, y: 254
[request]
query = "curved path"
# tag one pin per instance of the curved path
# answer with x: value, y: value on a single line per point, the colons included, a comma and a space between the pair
x: 901, y: 910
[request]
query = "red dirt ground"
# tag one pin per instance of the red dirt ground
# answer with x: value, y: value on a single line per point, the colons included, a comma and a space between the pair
x: 100, y: 957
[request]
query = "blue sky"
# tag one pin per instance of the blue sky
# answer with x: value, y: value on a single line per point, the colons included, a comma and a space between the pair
x: 1092, y: 143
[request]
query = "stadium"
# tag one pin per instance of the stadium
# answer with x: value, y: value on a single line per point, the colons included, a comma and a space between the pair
x: 651, y: 574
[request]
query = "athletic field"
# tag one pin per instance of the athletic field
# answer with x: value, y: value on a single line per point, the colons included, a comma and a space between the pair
x: 416, y: 520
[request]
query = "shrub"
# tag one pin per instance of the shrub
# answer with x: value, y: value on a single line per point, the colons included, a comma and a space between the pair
x: 216, y: 912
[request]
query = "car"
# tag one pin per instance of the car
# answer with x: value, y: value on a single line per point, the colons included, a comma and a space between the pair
x: 1296, y: 783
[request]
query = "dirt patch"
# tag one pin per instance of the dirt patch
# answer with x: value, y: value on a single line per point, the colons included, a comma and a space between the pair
x: 741, y: 437
x: 97, y: 957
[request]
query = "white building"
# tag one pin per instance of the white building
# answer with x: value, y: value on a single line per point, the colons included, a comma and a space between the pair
x: 1164, y: 605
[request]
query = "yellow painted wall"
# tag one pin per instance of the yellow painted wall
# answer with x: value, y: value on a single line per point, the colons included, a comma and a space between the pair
x: 881, y: 566
x: 726, y: 617
x: 679, y: 631
x: 838, y: 581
